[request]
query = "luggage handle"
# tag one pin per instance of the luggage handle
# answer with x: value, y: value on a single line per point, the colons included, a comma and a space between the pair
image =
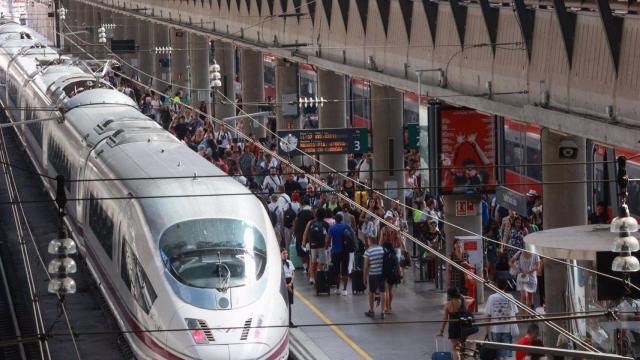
x: 436, y: 341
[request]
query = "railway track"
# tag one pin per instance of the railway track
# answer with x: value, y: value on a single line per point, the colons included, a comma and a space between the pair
x: 27, y: 310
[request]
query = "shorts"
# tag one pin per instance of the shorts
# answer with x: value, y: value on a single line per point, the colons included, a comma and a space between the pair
x: 319, y: 256
x: 376, y: 283
x: 340, y: 263
x: 504, y: 338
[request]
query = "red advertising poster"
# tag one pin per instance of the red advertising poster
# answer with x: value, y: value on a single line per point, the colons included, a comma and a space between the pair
x: 467, y: 151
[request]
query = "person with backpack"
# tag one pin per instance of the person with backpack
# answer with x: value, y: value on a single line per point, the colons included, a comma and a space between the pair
x: 314, y: 235
x: 340, y: 239
x: 288, y: 218
x: 391, y: 273
x: 304, y: 216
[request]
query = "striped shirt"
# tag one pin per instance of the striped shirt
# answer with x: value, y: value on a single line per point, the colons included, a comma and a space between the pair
x: 375, y: 255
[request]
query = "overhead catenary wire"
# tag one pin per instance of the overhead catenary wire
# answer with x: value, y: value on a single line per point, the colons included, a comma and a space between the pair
x: 578, y: 341
x: 444, y: 258
x: 51, y: 335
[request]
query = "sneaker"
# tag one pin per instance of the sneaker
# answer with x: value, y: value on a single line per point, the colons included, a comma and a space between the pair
x: 312, y: 282
x: 344, y: 293
x: 370, y: 314
x: 338, y: 291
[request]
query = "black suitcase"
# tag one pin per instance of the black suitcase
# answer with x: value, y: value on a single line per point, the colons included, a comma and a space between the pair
x: 322, y: 282
x: 357, y: 281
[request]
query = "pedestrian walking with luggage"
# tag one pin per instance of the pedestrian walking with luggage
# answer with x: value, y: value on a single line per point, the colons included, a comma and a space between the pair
x: 314, y: 235
x: 453, y: 310
x: 340, y: 239
x: 373, y: 263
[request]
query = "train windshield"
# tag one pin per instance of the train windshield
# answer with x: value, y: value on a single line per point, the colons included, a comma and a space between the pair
x: 214, y: 253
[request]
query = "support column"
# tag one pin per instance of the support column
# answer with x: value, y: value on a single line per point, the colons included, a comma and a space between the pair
x: 199, y: 49
x: 333, y: 114
x: 162, y: 72
x: 252, y: 79
x: 224, y: 54
x: 386, y: 116
x: 286, y: 86
x: 564, y: 205
x: 179, y: 60
x: 146, y: 40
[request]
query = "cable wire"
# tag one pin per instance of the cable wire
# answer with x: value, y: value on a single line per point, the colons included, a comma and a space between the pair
x: 444, y: 258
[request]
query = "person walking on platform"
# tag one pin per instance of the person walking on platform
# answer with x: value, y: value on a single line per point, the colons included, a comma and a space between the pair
x: 339, y: 254
x: 460, y: 257
x: 500, y: 307
x: 373, y: 261
x: 314, y: 235
x: 453, y: 309
x: 289, y: 275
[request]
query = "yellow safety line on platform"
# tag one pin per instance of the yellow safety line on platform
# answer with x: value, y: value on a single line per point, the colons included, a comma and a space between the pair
x: 333, y: 327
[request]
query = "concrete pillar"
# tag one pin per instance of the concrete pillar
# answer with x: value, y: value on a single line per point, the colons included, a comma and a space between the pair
x: 199, y: 50
x: 386, y: 117
x: 333, y: 114
x: 252, y: 79
x: 145, y: 39
x: 564, y: 205
x: 162, y: 74
x: 286, y: 90
x: 179, y: 60
x: 224, y: 54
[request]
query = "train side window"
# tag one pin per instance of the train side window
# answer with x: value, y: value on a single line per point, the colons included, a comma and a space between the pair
x: 136, y: 279
x: 59, y: 161
x: 101, y: 224
x: 124, y: 263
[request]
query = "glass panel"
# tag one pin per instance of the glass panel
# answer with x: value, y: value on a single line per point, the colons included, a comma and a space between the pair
x: 214, y: 253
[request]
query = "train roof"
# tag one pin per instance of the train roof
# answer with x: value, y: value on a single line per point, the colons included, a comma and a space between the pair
x: 176, y: 198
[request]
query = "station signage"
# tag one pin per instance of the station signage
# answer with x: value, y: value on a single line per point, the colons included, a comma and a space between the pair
x: 511, y: 200
x: 323, y: 141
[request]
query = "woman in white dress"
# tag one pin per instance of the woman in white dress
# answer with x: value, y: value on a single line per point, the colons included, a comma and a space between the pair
x: 526, y: 265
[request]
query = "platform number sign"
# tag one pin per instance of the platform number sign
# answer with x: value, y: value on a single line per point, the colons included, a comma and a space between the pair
x: 323, y: 141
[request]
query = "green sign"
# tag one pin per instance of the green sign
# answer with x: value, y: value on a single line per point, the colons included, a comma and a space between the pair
x: 413, y: 135
x: 323, y: 141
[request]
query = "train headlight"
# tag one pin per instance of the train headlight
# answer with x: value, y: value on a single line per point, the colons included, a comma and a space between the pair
x: 200, y: 332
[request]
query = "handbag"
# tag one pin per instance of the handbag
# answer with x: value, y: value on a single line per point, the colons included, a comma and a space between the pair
x: 515, y: 331
x: 487, y: 353
x: 467, y: 330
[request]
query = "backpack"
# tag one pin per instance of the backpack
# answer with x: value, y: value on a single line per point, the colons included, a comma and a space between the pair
x: 289, y: 216
x: 273, y: 217
x: 316, y: 235
x: 390, y: 267
x: 348, y: 240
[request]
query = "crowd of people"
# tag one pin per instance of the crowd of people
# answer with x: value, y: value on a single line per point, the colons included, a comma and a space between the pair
x: 337, y: 243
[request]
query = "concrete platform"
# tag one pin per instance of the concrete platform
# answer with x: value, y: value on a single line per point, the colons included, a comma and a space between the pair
x: 371, y: 338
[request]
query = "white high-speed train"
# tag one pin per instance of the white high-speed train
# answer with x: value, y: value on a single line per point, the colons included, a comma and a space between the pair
x: 206, y: 263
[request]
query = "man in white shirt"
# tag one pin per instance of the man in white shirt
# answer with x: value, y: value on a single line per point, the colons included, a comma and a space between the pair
x: 155, y: 108
x: 499, y: 308
x: 364, y: 168
x: 272, y: 181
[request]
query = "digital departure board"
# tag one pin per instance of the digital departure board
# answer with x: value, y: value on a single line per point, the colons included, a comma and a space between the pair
x: 323, y: 141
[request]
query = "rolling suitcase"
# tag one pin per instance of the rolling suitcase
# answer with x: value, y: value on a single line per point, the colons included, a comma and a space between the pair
x: 441, y: 355
x: 357, y: 282
x: 322, y: 282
